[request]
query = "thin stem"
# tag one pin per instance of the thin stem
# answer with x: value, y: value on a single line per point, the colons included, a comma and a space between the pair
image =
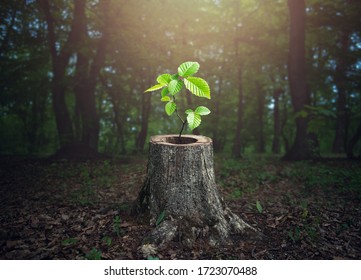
x: 183, y: 122
x: 176, y: 111
x: 180, y: 133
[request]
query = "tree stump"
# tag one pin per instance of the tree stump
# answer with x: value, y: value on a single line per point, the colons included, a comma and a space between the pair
x: 181, y: 195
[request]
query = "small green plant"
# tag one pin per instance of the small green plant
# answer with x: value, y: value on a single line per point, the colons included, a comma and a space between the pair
x: 85, y: 195
x: 173, y: 84
x: 116, y: 225
x: 259, y: 207
x: 236, y: 194
x: 295, y: 234
x: 69, y: 241
x: 94, y: 254
x: 107, y: 240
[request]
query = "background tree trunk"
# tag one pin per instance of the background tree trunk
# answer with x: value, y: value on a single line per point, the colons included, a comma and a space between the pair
x: 59, y: 63
x: 304, y: 144
x: 142, y: 135
x: 341, y: 81
x: 181, y: 195
x: 353, y: 141
x: 276, y: 143
x: 261, y: 100
x: 237, y: 144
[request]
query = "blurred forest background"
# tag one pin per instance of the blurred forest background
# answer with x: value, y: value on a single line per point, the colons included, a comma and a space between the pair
x: 285, y: 76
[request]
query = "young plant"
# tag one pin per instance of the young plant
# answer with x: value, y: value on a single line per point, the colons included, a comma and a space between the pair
x: 116, y: 225
x: 171, y: 85
x: 94, y: 254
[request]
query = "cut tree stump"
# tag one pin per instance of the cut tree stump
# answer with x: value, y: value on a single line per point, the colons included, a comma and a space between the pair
x: 181, y: 195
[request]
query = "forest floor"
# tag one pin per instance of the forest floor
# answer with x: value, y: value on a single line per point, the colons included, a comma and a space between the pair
x: 81, y: 209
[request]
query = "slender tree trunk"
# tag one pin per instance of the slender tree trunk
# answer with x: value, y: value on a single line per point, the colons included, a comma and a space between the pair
x: 353, y: 141
x: 60, y: 61
x: 62, y: 118
x: 237, y: 144
x: 260, y: 117
x: 142, y: 135
x: 116, y: 99
x: 86, y: 76
x: 218, y: 136
x: 181, y: 195
x: 339, y: 143
x: 118, y: 118
x: 284, y: 123
x: 87, y: 73
x: 304, y: 144
x: 276, y: 143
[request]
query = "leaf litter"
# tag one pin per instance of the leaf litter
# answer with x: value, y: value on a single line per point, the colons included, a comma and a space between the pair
x: 81, y: 210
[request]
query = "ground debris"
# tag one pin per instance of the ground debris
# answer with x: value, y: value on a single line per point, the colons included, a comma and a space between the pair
x: 81, y: 210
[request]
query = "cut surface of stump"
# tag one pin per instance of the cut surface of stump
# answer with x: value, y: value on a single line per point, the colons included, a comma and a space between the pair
x: 181, y: 195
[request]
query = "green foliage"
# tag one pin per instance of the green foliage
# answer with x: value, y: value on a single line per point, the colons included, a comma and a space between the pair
x: 94, y: 254
x: 295, y: 234
x: 107, y: 240
x: 173, y: 84
x: 320, y: 175
x: 84, y: 195
x: 211, y: 32
x: 259, y: 207
x: 69, y: 241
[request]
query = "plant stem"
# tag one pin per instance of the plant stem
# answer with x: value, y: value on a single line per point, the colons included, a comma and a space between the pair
x: 180, y: 133
x: 183, y: 122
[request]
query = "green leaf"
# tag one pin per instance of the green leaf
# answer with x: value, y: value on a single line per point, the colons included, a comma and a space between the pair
x: 202, y: 110
x: 155, y: 87
x: 259, y: 207
x: 164, y: 79
x: 160, y: 218
x: 188, y: 111
x: 165, y: 91
x: 198, y: 87
x: 194, y: 120
x: 175, y: 77
x: 175, y: 86
x: 188, y: 68
x: 165, y: 99
x: 170, y: 108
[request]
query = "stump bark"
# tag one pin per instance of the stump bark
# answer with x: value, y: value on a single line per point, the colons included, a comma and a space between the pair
x: 181, y: 195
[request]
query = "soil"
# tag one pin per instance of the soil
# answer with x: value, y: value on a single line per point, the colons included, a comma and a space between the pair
x: 81, y: 209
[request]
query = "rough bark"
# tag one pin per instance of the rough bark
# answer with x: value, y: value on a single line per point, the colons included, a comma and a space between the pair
x: 180, y: 185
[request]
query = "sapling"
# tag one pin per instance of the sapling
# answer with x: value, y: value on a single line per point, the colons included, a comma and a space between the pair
x: 171, y: 85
